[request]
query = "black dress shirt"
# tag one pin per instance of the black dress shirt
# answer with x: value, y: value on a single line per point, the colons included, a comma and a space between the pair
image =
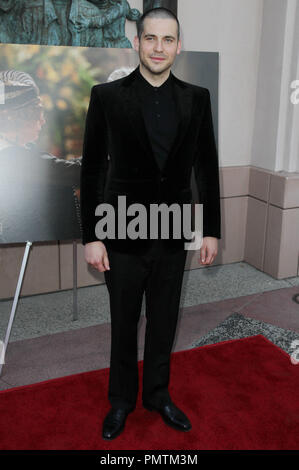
x: 160, y: 115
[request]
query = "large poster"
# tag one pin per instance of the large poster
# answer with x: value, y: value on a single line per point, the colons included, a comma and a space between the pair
x: 44, y: 96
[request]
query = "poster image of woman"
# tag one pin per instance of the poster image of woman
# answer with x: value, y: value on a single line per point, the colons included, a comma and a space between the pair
x: 38, y: 200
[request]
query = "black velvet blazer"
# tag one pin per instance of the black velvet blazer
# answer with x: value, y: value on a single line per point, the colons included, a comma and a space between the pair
x: 117, y: 158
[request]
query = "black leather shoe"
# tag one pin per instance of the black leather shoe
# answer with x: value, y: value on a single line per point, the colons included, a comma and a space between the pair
x: 172, y: 416
x: 114, y: 422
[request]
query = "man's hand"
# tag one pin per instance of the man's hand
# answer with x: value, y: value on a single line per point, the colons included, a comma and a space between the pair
x: 208, y: 250
x: 96, y: 255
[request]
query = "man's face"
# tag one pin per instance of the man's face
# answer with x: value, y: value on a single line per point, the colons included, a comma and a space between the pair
x: 158, y: 45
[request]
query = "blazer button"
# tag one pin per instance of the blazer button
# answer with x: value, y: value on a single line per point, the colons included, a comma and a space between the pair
x: 163, y: 179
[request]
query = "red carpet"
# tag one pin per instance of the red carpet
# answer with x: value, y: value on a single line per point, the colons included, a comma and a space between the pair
x: 240, y: 394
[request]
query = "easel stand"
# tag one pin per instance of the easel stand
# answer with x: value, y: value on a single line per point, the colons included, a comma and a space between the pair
x: 17, y: 293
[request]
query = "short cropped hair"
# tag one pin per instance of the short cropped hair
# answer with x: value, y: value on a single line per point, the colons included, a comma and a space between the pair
x: 160, y: 12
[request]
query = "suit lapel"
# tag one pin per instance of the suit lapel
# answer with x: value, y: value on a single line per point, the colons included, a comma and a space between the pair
x: 183, y: 100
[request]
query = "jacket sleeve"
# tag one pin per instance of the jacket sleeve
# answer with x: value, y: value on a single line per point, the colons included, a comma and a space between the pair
x: 94, y: 166
x: 206, y: 172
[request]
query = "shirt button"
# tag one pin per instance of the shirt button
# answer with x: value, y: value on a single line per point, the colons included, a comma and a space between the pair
x: 157, y: 102
x: 158, y: 115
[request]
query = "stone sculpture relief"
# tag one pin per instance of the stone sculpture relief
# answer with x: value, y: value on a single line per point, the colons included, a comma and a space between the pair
x: 99, y: 23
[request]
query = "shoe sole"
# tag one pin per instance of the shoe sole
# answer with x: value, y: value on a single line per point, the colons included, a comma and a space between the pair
x: 169, y: 423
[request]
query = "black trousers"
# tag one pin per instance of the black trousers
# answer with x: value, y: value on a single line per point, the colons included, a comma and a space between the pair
x: 158, y: 274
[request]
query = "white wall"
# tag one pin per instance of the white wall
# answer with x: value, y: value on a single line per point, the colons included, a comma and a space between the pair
x: 276, y: 137
x: 269, y: 83
x: 232, y: 28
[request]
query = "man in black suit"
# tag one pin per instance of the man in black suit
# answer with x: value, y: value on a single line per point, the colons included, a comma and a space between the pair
x: 143, y: 135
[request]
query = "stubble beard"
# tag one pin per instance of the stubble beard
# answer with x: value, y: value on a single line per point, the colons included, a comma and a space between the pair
x: 153, y: 70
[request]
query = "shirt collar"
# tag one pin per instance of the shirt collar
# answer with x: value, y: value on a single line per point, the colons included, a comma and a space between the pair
x: 147, y: 85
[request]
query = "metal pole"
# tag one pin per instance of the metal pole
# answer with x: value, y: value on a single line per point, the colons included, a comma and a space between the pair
x: 15, y: 302
x: 75, y: 305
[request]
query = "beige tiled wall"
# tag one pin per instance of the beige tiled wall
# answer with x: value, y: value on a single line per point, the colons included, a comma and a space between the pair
x: 272, y: 241
x: 86, y: 274
x: 260, y: 225
x: 234, y: 183
x: 42, y: 272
